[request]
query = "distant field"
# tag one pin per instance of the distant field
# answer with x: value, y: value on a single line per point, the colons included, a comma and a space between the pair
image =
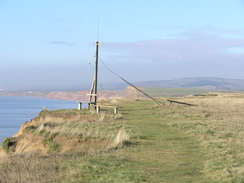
x: 179, y: 92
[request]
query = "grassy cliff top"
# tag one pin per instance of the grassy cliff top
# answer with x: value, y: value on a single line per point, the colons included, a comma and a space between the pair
x: 143, y: 143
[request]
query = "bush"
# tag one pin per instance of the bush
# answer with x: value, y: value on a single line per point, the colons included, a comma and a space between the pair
x: 51, y: 146
x: 31, y: 128
x: 8, y: 142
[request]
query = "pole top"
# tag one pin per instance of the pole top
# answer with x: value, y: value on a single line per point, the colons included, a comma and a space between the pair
x: 97, y: 43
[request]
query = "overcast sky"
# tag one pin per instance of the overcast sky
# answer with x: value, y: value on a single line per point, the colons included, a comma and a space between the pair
x: 52, y: 42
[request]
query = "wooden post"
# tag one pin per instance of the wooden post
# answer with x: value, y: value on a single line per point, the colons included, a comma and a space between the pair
x: 115, y: 110
x: 88, y: 105
x: 96, y: 74
x: 93, y: 92
x: 79, y: 105
x: 98, y: 109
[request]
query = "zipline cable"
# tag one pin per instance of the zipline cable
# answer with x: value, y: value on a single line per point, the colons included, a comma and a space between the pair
x: 156, y: 101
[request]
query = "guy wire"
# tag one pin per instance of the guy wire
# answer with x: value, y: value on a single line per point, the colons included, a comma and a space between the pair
x: 156, y: 101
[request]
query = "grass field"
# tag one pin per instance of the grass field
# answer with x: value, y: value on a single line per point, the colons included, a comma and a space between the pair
x: 144, y: 143
x: 180, y: 92
x: 219, y: 123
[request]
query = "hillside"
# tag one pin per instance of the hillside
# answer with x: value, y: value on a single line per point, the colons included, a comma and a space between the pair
x: 197, y: 83
x: 191, y: 83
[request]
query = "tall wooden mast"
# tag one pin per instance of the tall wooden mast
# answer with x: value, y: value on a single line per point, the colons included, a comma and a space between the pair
x: 93, y: 91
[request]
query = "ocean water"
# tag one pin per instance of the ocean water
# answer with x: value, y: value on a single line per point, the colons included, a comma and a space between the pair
x: 15, y: 111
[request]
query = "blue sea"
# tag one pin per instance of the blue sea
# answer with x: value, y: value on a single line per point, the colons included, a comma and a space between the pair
x: 15, y: 111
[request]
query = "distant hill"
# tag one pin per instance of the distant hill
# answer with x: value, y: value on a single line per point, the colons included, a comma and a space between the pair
x: 197, y: 83
x: 191, y: 83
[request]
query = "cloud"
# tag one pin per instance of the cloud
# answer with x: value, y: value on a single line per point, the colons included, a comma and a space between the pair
x: 191, y: 47
x: 209, y: 32
x: 191, y: 32
x: 62, y: 43
x: 203, y: 52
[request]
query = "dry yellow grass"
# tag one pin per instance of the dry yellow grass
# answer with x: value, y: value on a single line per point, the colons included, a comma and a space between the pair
x: 29, y: 168
x: 121, y: 138
x: 69, y: 130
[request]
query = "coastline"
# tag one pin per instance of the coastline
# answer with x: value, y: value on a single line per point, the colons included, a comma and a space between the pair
x: 55, y: 95
x: 75, y: 95
x: 16, y: 110
x: 49, y: 95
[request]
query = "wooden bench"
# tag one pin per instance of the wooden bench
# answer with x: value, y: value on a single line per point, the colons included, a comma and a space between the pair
x: 200, y: 95
x: 98, y: 107
x: 80, y: 104
x: 206, y: 95
x: 173, y: 101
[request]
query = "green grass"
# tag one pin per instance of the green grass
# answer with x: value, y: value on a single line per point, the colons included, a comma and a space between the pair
x: 104, y: 168
x: 169, y: 155
x: 179, y: 92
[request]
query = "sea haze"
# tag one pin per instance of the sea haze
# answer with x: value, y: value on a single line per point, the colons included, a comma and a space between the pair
x: 15, y: 111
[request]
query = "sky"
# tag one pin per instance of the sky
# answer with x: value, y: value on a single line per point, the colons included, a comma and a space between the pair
x: 52, y: 42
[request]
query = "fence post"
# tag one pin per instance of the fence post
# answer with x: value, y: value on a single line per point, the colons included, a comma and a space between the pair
x: 79, y: 105
x: 98, y: 109
x: 115, y: 110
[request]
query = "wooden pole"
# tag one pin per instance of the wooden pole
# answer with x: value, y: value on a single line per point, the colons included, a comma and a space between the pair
x: 93, y: 93
x: 96, y: 74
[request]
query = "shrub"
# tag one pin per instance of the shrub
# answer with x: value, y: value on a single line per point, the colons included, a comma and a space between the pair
x: 51, y: 146
x: 8, y: 142
x: 31, y: 128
